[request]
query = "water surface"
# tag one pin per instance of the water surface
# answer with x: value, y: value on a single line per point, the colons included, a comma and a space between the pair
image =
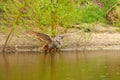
x: 84, y: 65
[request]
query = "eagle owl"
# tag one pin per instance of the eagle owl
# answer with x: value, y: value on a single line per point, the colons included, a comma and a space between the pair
x: 52, y: 44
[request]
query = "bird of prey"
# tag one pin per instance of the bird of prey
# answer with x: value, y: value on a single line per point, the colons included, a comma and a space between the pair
x: 52, y: 44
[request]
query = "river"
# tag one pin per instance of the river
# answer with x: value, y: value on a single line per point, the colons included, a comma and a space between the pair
x: 83, y: 65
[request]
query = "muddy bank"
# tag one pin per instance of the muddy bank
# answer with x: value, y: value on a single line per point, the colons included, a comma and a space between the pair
x: 96, y: 41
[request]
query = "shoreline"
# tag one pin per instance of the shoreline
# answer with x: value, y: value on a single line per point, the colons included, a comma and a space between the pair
x: 98, y: 41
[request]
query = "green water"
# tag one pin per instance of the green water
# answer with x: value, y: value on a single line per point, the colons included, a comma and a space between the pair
x: 85, y: 65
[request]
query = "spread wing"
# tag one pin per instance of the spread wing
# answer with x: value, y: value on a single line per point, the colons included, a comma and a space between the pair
x: 42, y: 36
x: 66, y: 35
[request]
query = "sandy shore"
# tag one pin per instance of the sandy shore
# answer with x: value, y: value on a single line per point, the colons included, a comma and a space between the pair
x: 96, y: 41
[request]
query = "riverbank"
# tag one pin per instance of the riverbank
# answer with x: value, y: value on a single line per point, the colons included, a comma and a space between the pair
x: 100, y: 37
x: 99, y: 41
x: 78, y: 42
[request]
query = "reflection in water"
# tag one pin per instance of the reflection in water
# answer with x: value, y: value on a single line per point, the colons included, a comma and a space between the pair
x: 6, y: 65
x: 99, y: 65
x: 52, y: 66
x: 50, y: 60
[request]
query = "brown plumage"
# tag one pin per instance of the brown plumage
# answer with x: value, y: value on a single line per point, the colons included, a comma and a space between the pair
x: 43, y: 37
x: 52, y: 44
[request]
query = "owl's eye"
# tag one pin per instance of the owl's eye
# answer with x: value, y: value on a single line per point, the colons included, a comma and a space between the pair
x: 58, y: 42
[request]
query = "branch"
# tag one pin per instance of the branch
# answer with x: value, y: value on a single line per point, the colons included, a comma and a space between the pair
x: 10, y: 35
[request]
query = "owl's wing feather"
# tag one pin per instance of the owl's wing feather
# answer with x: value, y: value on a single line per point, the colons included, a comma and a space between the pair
x: 68, y: 34
x: 41, y: 36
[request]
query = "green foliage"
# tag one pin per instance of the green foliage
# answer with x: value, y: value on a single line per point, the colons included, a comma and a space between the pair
x: 3, y: 29
x: 117, y: 10
x: 93, y: 14
x: 46, y: 15
x: 109, y: 3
